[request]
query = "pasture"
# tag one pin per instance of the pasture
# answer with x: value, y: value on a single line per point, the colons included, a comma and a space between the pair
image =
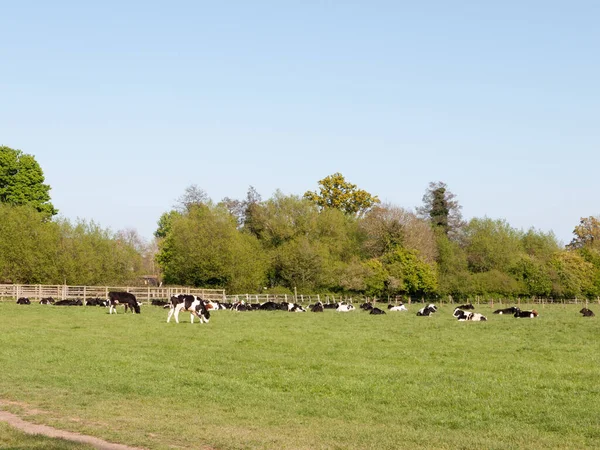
x: 278, y: 380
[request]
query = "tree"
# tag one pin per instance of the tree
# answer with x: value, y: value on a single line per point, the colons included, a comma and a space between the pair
x: 491, y: 244
x: 242, y: 210
x: 22, y: 182
x: 203, y: 247
x: 193, y: 195
x: 336, y: 192
x: 587, y: 234
x: 441, y: 208
x: 386, y: 227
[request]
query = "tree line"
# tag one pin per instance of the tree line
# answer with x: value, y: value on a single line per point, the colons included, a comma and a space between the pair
x: 338, y: 239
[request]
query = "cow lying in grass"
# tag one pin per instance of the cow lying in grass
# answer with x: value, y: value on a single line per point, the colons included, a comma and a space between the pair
x: 529, y: 314
x: 194, y: 305
x: 123, y: 298
x: 427, y: 310
x: 587, y: 312
x: 467, y: 315
x: 400, y: 307
x: 377, y: 311
x: 47, y: 301
x: 23, y: 301
x: 511, y: 310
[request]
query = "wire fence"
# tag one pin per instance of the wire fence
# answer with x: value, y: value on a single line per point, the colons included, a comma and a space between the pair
x: 146, y: 294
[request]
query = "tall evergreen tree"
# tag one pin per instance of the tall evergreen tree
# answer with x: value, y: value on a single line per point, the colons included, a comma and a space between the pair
x: 441, y: 208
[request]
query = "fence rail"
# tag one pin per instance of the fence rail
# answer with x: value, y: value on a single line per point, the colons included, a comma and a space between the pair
x: 62, y: 292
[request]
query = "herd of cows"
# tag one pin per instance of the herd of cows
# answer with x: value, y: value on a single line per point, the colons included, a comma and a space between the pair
x: 200, y: 308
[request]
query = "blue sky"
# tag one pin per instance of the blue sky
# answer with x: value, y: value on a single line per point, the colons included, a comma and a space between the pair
x: 124, y: 104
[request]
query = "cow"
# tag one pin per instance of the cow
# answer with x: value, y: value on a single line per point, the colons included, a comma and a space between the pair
x: 162, y: 303
x: 377, y: 311
x: 96, y: 302
x: 529, y: 314
x: 367, y: 306
x: 194, y: 305
x: 47, y: 301
x: 467, y: 306
x: 123, y: 298
x: 317, y: 307
x: 23, y: 301
x: 427, y: 310
x: 587, y: 312
x: 400, y: 307
x: 270, y: 306
x: 511, y: 310
x: 343, y: 307
x: 69, y: 303
x: 331, y: 305
x: 471, y: 316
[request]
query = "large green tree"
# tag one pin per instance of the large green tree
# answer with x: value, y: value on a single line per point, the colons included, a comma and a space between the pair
x: 336, y: 192
x: 22, y: 182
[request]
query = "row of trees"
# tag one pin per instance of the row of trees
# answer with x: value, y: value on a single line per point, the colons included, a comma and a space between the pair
x: 337, y: 239
x: 343, y: 240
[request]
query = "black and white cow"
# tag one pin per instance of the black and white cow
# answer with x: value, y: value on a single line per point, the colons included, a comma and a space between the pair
x: 317, y: 307
x: 377, y: 311
x: 123, y: 298
x: 511, y: 310
x: 399, y: 307
x: 467, y: 306
x: 529, y: 314
x: 427, y: 310
x: 587, y: 312
x: 23, y: 301
x: 367, y: 306
x: 190, y: 303
x: 68, y: 302
x: 162, y: 303
x: 47, y: 301
x: 344, y: 307
x: 96, y: 302
x: 467, y: 315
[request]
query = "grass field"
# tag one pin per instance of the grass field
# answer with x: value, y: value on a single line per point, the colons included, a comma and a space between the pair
x: 278, y: 380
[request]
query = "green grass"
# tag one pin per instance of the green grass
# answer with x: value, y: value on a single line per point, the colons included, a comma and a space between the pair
x: 279, y: 380
x: 13, y: 439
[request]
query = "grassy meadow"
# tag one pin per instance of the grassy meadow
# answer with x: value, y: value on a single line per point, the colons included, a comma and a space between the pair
x: 278, y: 380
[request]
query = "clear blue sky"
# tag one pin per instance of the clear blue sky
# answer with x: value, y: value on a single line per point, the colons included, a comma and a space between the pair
x: 124, y: 104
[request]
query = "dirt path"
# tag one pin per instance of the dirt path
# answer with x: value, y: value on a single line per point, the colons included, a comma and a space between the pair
x: 31, y: 428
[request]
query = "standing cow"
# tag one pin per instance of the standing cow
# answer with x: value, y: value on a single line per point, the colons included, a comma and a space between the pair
x: 194, y: 305
x: 123, y: 298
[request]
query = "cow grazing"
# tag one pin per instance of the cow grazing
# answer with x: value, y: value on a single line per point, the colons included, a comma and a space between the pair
x: 190, y: 303
x: 427, y: 310
x: 587, y: 312
x: 123, y: 298
x: 529, y: 314
x: 467, y: 315
x: 377, y: 311
x: 511, y: 310
x: 400, y: 307
x: 467, y: 306
x: 23, y: 301
x: 47, y: 301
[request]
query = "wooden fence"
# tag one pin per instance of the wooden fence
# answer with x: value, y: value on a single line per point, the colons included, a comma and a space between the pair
x: 144, y: 294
